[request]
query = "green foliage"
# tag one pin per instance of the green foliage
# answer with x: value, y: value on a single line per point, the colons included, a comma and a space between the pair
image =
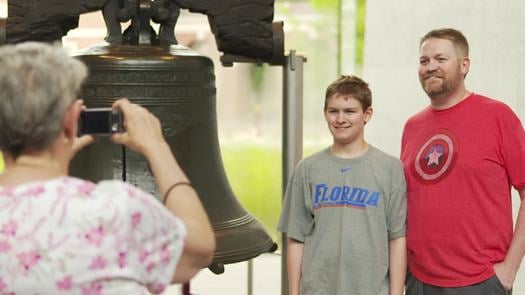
x: 360, y: 34
x: 325, y: 4
x: 257, y: 76
x: 329, y: 8
x: 1, y: 163
x: 360, y: 23
x: 254, y: 173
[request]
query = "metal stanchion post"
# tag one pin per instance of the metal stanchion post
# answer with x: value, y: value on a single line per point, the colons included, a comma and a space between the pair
x: 250, y: 277
x: 292, y: 134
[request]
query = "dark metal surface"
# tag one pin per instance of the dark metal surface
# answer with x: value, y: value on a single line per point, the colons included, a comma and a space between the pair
x: 277, y: 57
x: 178, y: 86
x: 242, y: 29
x: 3, y: 23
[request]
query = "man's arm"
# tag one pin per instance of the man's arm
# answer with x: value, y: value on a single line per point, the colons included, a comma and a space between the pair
x: 398, y: 265
x: 506, y: 270
x: 295, y: 262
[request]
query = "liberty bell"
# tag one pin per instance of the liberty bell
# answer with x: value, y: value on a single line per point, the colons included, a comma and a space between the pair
x: 178, y: 86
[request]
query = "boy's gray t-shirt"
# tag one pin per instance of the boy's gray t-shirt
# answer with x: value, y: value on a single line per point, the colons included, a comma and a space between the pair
x: 345, y: 211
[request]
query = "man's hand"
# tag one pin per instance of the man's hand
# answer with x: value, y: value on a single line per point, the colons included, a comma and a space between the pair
x: 506, y: 271
x: 505, y: 274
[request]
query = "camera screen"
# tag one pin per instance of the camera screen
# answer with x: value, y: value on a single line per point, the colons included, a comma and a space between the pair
x: 95, y: 121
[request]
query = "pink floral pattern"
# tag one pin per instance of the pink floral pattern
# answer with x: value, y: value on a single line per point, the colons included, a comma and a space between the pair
x: 35, y: 191
x: 143, y: 254
x: 27, y: 260
x: 56, y: 234
x: 98, y: 262
x: 5, y: 246
x: 94, y: 288
x: 86, y: 188
x: 3, y: 286
x: 121, y: 260
x: 9, y: 228
x: 165, y: 254
x: 65, y: 284
x: 95, y: 235
x: 135, y: 219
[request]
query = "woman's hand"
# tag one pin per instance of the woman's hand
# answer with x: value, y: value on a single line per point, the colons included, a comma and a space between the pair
x: 143, y: 132
x: 81, y: 142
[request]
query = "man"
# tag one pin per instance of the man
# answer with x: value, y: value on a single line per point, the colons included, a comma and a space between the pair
x: 345, y: 207
x: 461, y: 155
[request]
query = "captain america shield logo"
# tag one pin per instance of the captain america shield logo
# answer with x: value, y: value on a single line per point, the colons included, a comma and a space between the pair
x: 436, y: 157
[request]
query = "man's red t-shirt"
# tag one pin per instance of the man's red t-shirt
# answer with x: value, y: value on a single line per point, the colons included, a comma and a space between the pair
x: 460, y: 164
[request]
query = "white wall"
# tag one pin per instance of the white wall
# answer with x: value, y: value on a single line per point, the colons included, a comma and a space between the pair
x: 496, y: 33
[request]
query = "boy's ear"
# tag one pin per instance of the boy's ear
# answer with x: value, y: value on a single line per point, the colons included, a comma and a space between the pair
x: 71, y: 119
x: 368, y: 114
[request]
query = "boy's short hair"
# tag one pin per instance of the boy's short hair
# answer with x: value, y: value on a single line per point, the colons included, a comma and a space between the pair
x: 350, y: 86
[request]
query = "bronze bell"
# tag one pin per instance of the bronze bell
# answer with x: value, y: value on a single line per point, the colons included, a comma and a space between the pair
x: 178, y: 86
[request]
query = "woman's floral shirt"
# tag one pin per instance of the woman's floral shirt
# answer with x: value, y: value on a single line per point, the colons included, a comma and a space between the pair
x: 70, y: 236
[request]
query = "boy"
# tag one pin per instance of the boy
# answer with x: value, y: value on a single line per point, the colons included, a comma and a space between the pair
x: 345, y: 207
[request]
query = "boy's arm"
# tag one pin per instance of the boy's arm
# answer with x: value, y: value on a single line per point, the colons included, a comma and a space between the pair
x: 295, y: 262
x: 506, y: 271
x: 398, y: 265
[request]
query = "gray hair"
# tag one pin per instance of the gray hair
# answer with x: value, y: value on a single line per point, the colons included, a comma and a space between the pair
x: 38, y: 82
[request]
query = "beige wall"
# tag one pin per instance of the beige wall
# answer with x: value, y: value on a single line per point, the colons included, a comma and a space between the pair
x: 497, y: 40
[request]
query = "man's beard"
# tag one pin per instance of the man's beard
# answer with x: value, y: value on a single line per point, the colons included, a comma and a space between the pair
x: 445, y: 87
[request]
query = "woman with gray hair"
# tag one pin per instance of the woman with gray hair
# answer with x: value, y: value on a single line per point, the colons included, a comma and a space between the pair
x: 60, y: 234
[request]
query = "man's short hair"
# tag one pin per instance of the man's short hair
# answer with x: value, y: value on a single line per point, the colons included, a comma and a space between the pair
x: 350, y: 86
x: 456, y: 37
